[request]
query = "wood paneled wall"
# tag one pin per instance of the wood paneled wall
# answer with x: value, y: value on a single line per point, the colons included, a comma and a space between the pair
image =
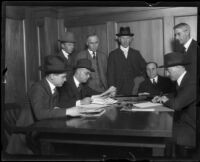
x: 15, y: 61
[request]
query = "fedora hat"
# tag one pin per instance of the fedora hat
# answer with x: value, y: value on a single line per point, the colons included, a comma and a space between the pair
x: 84, y: 63
x: 174, y: 59
x: 67, y: 37
x: 54, y: 64
x: 124, y: 31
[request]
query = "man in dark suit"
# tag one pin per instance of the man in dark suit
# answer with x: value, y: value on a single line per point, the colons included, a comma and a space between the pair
x: 124, y: 64
x: 98, y: 80
x: 67, y: 44
x: 43, y: 99
x: 183, y: 101
x: 189, y: 45
x: 155, y: 84
x: 76, y: 92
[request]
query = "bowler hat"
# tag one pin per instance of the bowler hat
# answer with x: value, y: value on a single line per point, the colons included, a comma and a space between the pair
x: 54, y: 64
x: 67, y: 37
x: 84, y: 63
x: 174, y: 59
x: 124, y: 31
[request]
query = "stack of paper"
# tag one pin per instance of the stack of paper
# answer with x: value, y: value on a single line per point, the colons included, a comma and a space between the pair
x: 147, y: 104
x: 103, y: 101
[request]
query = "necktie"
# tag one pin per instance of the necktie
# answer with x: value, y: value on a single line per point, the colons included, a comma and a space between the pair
x: 79, y: 87
x: 94, y: 56
x: 55, y: 91
x: 154, y: 82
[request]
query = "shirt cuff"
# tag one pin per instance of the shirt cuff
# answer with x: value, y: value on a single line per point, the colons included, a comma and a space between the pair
x: 78, y: 103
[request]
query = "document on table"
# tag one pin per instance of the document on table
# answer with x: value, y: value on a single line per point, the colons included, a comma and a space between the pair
x: 93, y: 106
x: 147, y: 104
x: 136, y: 109
x: 103, y: 101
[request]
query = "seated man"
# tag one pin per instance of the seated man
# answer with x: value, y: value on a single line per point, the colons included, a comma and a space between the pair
x: 76, y: 92
x: 183, y: 101
x: 155, y: 84
x: 43, y: 99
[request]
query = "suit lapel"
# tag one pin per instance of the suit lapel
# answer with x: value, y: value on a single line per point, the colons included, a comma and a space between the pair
x: 46, y: 86
x: 74, y: 89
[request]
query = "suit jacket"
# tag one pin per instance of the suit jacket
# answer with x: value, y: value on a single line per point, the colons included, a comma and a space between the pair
x: 121, y: 71
x: 69, y: 93
x: 43, y: 102
x: 184, y: 101
x: 40, y: 106
x: 191, y: 56
x: 163, y: 85
x: 68, y: 61
x: 101, y: 64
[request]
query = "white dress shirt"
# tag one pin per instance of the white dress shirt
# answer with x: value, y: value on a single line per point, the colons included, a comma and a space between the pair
x: 181, y: 78
x: 156, y: 79
x: 125, y: 50
x: 186, y: 45
x: 65, y: 54
x: 52, y: 86
x: 78, y: 103
x: 92, y: 53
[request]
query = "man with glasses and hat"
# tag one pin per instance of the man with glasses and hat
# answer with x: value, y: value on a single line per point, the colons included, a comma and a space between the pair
x: 76, y: 92
x: 125, y: 64
x: 183, y: 101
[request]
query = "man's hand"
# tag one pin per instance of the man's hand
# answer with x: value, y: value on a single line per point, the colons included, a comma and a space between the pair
x: 86, y: 100
x: 111, y: 92
x: 160, y: 99
x: 74, y: 111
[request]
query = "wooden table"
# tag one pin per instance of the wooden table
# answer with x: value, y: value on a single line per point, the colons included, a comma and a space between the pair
x: 113, y: 128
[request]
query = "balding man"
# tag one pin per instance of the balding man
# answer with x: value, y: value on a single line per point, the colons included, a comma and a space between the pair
x: 155, y: 84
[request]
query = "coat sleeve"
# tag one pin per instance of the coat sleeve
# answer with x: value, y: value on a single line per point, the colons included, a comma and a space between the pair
x: 185, y: 96
x: 42, y: 105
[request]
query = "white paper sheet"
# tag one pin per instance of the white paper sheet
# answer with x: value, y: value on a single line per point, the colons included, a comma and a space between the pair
x: 93, y: 106
x: 147, y: 104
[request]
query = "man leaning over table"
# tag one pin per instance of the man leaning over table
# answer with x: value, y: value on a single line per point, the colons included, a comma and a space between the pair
x: 183, y: 101
x: 76, y: 92
x: 43, y: 99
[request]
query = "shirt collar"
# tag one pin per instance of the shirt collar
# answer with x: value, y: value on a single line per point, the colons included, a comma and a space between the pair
x: 156, y: 79
x: 186, y: 45
x: 124, y: 49
x: 65, y: 53
x: 91, y: 52
x: 52, y: 86
x: 180, y: 78
x: 76, y: 81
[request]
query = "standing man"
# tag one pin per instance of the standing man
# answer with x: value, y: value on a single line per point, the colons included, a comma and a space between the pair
x: 182, y: 35
x: 183, y: 101
x: 67, y: 43
x: 98, y: 80
x: 124, y: 64
x: 155, y: 84
x: 76, y: 92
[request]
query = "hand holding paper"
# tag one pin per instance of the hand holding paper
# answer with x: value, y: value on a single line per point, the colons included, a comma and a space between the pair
x: 111, y: 92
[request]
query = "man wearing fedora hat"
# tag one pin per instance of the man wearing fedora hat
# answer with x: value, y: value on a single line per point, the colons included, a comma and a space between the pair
x: 76, y: 91
x: 124, y: 64
x: 43, y: 102
x: 183, y: 101
x: 67, y: 43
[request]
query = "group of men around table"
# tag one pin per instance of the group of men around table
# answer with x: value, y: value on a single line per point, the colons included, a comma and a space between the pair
x: 70, y: 83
